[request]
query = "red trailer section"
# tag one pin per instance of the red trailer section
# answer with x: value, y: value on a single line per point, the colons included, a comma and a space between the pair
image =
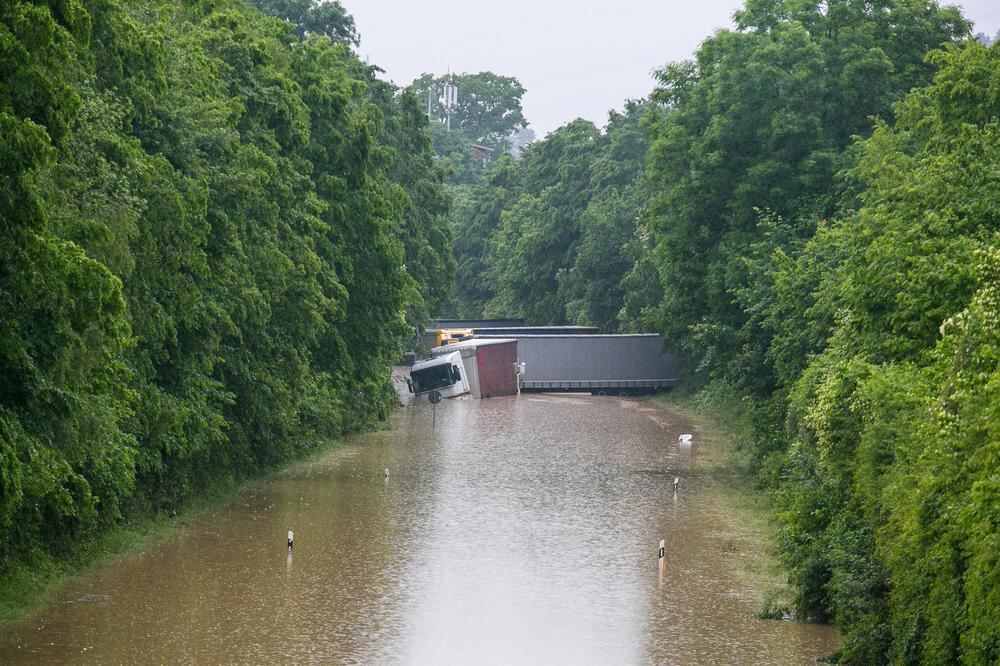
x: 497, y: 369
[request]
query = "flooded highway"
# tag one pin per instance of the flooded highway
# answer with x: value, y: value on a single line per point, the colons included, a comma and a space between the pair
x: 518, y: 530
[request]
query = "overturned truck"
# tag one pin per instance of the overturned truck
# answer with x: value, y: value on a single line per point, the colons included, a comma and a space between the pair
x: 480, y: 368
x: 488, y: 365
x: 602, y: 364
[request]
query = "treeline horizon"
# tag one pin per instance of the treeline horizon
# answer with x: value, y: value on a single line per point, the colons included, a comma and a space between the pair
x: 807, y: 211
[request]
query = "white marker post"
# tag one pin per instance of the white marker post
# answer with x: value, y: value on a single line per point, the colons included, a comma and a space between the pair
x: 386, y: 473
x: 291, y: 540
x: 677, y: 481
x: 661, y: 559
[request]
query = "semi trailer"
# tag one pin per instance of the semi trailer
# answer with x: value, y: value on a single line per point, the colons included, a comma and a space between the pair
x: 631, y: 363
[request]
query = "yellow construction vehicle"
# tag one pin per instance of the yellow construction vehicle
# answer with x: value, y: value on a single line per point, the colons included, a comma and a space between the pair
x: 446, y: 336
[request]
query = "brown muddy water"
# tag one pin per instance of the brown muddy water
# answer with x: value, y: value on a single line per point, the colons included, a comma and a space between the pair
x: 520, y: 530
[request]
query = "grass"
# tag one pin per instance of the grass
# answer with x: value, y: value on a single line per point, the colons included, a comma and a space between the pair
x: 31, y: 584
x: 751, y: 528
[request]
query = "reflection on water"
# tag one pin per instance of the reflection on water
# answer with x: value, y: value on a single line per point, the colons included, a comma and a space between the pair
x: 518, y: 530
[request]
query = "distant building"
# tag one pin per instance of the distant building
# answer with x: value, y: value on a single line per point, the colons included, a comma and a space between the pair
x: 481, y: 153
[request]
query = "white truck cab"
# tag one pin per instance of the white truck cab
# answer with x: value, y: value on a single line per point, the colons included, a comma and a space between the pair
x: 444, y: 373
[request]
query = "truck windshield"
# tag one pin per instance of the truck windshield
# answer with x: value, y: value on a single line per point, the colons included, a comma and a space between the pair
x: 434, y: 377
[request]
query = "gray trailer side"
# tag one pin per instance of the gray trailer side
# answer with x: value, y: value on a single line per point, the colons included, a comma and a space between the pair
x: 595, y: 363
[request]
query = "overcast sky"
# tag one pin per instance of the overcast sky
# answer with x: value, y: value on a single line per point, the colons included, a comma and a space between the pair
x: 575, y: 58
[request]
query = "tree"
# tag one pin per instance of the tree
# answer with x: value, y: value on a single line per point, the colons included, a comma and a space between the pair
x: 552, y: 231
x: 314, y: 18
x: 204, y: 267
x: 885, y: 494
x: 488, y: 107
x: 64, y: 396
x: 608, y: 224
x: 484, y: 121
x: 594, y: 283
x: 761, y: 120
x: 534, y: 245
x: 474, y: 221
x: 424, y: 230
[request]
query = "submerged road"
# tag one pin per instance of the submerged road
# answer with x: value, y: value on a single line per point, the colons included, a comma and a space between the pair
x: 519, y: 530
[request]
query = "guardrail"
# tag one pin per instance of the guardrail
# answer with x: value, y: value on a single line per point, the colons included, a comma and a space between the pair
x: 595, y: 384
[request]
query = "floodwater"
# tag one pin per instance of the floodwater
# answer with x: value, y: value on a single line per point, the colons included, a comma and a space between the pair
x: 518, y: 530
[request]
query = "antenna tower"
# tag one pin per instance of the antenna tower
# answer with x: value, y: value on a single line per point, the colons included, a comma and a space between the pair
x: 450, y: 98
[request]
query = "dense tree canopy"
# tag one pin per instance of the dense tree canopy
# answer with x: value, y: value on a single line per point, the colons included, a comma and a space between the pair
x: 487, y: 109
x: 550, y: 236
x: 212, y: 233
x: 318, y: 18
x: 761, y: 119
x: 888, y: 440
x: 484, y: 120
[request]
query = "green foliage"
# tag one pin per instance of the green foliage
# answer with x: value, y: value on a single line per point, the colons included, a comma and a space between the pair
x: 425, y: 230
x: 941, y: 532
x: 603, y: 257
x: 887, y: 457
x: 550, y: 237
x: 474, y: 220
x: 529, y: 250
x: 211, y: 234
x: 313, y: 18
x: 535, y: 243
x: 63, y: 327
x: 487, y: 110
x: 485, y: 120
x: 760, y: 121
x: 607, y: 250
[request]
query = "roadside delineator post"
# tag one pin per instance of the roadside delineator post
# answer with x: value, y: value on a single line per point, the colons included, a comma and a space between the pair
x: 434, y: 397
x: 291, y: 540
x: 661, y: 562
x: 677, y: 481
